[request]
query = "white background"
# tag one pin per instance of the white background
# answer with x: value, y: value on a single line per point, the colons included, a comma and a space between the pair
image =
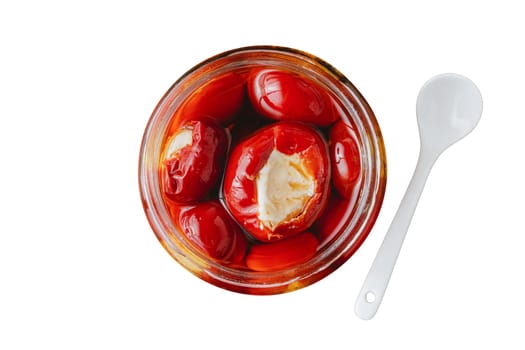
x: 81, y: 269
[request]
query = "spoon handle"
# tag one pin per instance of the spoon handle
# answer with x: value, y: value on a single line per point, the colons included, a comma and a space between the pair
x: 377, y: 279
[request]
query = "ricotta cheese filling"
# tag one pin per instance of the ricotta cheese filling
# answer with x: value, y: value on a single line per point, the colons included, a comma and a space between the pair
x: 284, y: 186
x: 179, y: 141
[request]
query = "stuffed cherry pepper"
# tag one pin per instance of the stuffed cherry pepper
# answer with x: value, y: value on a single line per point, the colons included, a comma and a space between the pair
x: 210, y: 229
x: 345, y: 157
x: 193, y: 160
x: 287, y: 96
x: 277, y: 180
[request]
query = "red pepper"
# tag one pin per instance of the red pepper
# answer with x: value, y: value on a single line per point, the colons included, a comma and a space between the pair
x: 277, y: 180
x: 279, y: 255
x: 193, y: 160
x: 220, y: 99
x: 211, y: 230
x: 345, y: 158
x: 283, y: 95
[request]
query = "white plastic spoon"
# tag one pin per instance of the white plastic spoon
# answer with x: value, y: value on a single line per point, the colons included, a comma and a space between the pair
x: 448, y: 108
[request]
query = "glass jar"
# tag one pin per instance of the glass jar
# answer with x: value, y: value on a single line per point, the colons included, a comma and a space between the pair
x: 348, y: 234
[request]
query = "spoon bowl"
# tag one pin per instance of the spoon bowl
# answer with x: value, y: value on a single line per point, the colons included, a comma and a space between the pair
x: 448, y: 108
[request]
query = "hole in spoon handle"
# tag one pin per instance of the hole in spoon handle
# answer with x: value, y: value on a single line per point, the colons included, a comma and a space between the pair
x: 370, y: 297
x: 368, y: 302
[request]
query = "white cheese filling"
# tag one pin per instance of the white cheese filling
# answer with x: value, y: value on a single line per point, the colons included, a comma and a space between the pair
x: 178, y: 141
x: 284, y: 186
